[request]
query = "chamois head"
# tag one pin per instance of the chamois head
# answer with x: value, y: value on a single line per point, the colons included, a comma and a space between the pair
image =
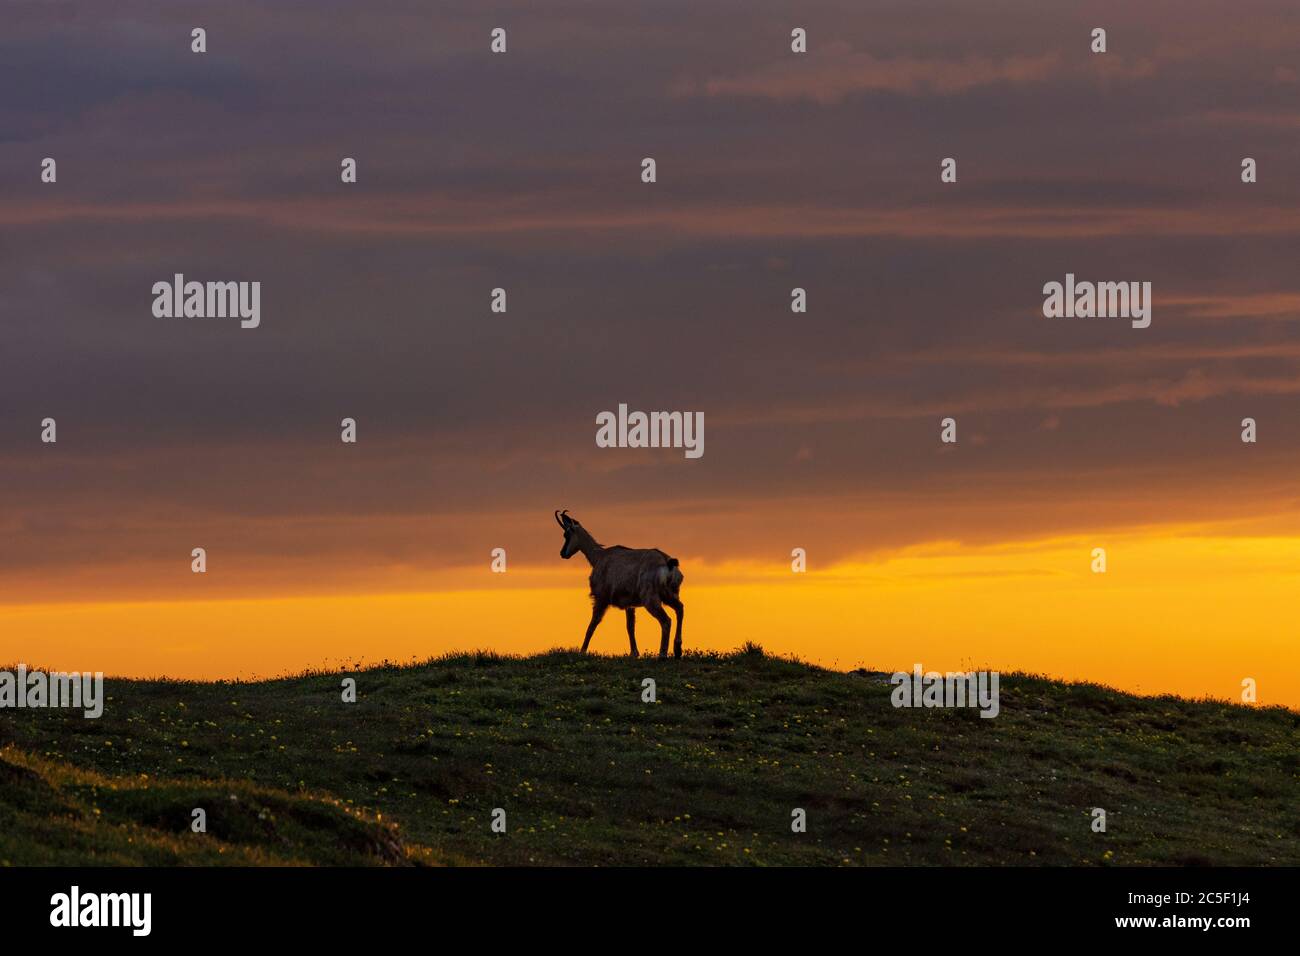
x: 571, y: 528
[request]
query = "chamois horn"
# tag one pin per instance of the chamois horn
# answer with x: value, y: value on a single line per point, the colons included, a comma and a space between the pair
x: 562, y: 519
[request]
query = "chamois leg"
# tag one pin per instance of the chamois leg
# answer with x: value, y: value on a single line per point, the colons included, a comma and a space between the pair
x: 597, y: 612
x: 631, y: 629
x: 676, y: 605
x: 665, y: 622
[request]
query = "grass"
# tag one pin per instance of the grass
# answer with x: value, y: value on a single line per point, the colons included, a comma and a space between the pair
x: 587, y: 773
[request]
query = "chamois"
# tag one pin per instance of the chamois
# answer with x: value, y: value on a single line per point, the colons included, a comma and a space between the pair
x: 627, y: 578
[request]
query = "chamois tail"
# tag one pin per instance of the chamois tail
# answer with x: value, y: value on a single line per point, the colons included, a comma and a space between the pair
x: 672, y: 576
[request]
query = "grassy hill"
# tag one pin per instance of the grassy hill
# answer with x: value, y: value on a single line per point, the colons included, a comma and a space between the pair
x: 588, y: 774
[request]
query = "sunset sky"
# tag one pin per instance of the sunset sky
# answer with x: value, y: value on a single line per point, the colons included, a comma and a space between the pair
x: 775, y: 170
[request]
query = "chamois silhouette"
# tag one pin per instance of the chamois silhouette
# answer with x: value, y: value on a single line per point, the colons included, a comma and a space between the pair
x: 627, y: 578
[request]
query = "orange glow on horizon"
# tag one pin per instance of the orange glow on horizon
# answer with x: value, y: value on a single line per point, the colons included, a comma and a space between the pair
x: 1185, y: 614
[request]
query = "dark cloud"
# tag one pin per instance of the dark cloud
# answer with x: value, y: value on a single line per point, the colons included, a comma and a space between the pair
x: 523, y: 171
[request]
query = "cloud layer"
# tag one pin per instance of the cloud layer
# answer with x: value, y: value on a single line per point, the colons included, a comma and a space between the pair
x: 522, y: 171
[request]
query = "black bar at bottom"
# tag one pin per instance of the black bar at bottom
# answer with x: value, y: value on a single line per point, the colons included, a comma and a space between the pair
x: 533, y: 905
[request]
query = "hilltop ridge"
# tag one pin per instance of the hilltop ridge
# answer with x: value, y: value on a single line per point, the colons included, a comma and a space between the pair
x: 588, y: 773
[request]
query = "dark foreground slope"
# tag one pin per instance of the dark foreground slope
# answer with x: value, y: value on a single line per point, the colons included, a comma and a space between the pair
x: 588, y: 774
